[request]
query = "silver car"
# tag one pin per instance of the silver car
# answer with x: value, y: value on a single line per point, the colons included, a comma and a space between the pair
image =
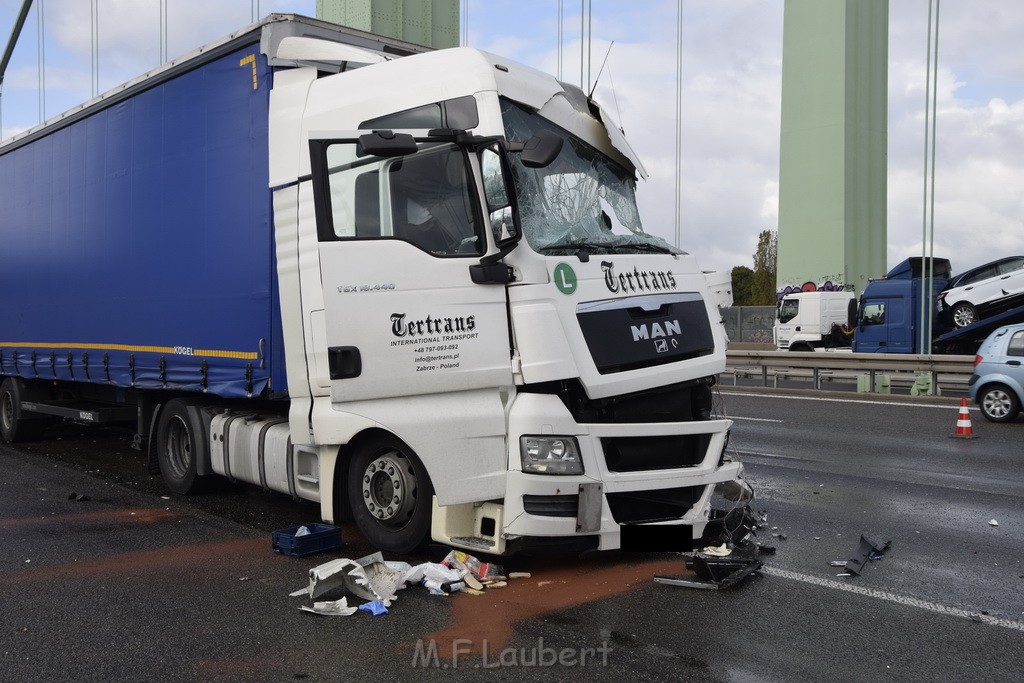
x: 982, y: 291
x: 997, y: 385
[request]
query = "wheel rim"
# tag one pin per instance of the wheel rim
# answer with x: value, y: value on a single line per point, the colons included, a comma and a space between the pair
x: 997, y: 403
x: 178, y: 447
x: 963, y: 316
x: 7, y: 411
x: 389, y: 489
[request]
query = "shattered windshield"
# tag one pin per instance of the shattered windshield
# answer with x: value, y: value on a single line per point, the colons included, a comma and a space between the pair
x: 583, y: 201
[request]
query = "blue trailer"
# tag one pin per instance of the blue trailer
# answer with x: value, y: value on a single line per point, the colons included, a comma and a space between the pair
x: 138, y: 250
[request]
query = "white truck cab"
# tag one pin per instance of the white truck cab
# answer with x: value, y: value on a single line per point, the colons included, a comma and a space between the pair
x: 807, y: 321
x: 538, y: 367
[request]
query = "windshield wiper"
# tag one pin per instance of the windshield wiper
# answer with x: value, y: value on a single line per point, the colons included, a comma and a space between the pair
x: 575, y: 245
x: 610, y: 247
x: 646, y: 246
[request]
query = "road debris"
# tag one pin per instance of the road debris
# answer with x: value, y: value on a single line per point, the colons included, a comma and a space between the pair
x: 993, y: 522
x: 733, y: 555
x: 867, y: 550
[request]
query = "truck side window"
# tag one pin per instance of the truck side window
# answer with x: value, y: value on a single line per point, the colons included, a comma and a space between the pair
x: 426, y: 199
x: 873, y: 314
x: 788, y: 310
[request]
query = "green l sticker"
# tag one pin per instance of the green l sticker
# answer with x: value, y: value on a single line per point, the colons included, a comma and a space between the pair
x: 565, y: 278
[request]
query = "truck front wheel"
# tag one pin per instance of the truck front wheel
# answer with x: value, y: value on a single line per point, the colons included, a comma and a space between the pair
x: 13, y: 426
x: 179, y: 446
x: 390, y: 495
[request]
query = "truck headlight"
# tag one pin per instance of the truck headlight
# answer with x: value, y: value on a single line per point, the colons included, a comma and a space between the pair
x: 550, y: 455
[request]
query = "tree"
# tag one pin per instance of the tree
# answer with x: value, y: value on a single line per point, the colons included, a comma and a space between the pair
x: 765, y: 259
x: 742, y: 286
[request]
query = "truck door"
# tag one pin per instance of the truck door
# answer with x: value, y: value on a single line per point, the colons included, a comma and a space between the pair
x: 397, y: 236
x: 883, y: 326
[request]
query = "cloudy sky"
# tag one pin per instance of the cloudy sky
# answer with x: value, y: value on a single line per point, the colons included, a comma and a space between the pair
x: 731, y: 79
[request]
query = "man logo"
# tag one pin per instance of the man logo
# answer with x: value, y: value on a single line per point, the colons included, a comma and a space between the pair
x: 669, y: 328
x: 661, y: 346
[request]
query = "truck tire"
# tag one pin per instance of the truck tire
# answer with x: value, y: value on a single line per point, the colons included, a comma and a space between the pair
x: 963, y: 314
x: 998, y: 403
x: 180, y: 444
x: 14, y: 427
x: 390, y: 494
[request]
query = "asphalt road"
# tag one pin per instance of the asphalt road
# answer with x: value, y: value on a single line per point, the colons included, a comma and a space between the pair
x: 130, y: 585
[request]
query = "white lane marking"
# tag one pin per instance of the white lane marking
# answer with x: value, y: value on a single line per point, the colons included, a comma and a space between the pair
x: 893, y: 597
x: 751, y: 419
x: 847, y: 400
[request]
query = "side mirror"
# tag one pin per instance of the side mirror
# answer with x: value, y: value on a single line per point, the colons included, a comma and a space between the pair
x: 386, y: 143
x: 499, y: 205
x: 540, y: 150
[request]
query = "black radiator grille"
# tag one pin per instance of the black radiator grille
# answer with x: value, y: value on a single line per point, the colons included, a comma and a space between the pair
x: 646, y: 453
x: 651, y: 506
x: 551, y: 506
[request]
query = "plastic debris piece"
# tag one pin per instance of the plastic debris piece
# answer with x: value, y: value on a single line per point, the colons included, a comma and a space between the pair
x: 302, y: 531
x: 331, y: 608
x: 385, y: 577
x: 837, y: 563
x: 341, y: 574
x: 713, y: 573
x: 472, y: 583
x: 845, y: 574
x: 497, y: 584
x: 432, y: 576
x: 519, y: 575
x: 472, y: 591
x: 866, y: 548
x: 993, y: 522
x: 718, y: 551
x: 375, y: 607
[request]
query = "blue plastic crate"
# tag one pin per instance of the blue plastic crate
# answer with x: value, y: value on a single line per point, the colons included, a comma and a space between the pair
x: 320, y: 537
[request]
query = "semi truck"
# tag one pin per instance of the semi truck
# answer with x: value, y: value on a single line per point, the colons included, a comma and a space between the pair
x: 807, y: 321
x: 889, y: 313
x: 411, y: 286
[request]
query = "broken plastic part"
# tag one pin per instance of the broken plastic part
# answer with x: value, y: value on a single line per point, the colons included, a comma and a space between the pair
x: 330, y: 608
x: 864, y: 551
x: 713, y: 574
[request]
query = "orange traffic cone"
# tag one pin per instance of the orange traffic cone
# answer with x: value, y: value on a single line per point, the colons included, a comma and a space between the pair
x: 963, y: 423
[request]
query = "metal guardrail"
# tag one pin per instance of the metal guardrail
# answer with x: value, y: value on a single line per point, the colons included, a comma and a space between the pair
x: 923, y: 373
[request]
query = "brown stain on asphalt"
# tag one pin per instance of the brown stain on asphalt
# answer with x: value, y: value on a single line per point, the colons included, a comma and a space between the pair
x: 133, y: 516
x: 125, y: 565
x: 551, y: 588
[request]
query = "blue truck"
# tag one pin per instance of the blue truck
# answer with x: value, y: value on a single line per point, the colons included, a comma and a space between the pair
x: 409, y: 285
x: 889, y: 313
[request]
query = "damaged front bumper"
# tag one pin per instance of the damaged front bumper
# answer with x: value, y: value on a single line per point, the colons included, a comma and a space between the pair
x: 644, y: 486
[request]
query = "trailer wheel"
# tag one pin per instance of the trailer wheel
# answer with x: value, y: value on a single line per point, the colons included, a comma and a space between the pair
x: 14, y: 427
x: 998, y: 403
x: 390, y: 495
x: 963, y: 314
x: 179, y: 446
